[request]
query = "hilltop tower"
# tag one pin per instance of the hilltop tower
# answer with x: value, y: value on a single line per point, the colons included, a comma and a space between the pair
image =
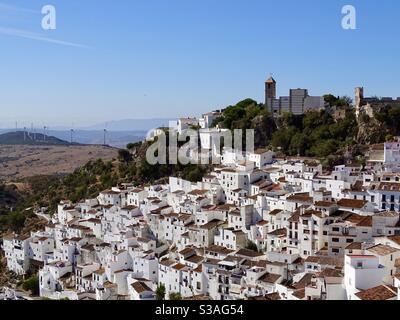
x: 359, y: 97
x: 270, y: 91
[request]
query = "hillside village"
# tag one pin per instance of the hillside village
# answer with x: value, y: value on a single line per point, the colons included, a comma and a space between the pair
x: 257, y: 227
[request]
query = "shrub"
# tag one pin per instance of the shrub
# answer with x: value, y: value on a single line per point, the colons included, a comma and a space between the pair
x: 32, y: 285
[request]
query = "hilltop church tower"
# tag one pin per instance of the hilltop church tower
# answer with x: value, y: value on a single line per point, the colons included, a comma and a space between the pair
x: 359, y: 97
x: 270, y: 92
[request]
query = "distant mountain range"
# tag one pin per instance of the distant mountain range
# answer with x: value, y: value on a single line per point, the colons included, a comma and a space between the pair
x: 131, y: 125
x: 119, y: 133
x: 117, y: 139
x: 26, y: 138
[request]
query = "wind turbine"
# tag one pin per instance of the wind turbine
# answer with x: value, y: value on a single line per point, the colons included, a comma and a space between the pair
x: 105, y: 134
x: 30, y: 132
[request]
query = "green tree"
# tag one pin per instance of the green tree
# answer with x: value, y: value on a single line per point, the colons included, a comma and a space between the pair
x: 251, y: 246
x: 324, y: 148
x: 389, y: 138
x: 160, y: 292
x: 32, y: 285
x: 281, y: 139
x: 298, y: 144
x: 124, y: 155
x: 16, y: 221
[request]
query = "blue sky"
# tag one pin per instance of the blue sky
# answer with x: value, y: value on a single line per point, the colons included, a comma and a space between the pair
x: 157, y: 58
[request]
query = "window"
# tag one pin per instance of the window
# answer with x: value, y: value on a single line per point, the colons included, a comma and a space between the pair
x: 335, y: 240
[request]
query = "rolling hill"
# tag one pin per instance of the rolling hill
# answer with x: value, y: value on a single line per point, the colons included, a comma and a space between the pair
x: 26, y: 138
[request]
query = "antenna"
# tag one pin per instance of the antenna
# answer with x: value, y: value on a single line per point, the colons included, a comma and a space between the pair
x: 72, y: 136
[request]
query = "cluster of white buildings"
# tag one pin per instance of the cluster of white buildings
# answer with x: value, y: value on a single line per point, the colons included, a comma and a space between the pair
x: 297, y: 102
x: 256, y: 227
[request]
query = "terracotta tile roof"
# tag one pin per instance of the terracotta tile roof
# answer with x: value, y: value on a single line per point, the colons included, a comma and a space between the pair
x: 129, y: 208
x: 389, y: 186
x: 382, y: 250
x: 197, y: 192
x: 219, y: 249
x: 382, y: 292
x: 330, y: 273
x: 395, y: 239
x: 212, y: 224
x: 167, y: 262
x: 354, y: 246
x: 300, y: 197
x: 351, y: 203
x: 270, y: 278
x: 140, y: 287
x: 295, y: 217
x: 187, y: 250
x: 195, y: 259
x: 248, y: 253
x: 178, y: 266
x: 275, y: 212
x: 279, y: 232
x: 224, y: 207
x: 199, y: 269
x: 326, y: 260
x: 325, y: 204
x: 366, y: 222
x: 100, y: 271
x: 299, y: 294
x: 144, y: 240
